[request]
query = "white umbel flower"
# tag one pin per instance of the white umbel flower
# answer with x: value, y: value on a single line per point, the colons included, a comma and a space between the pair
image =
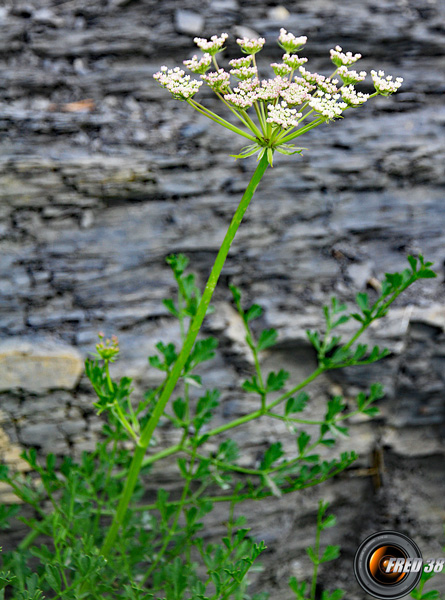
x: 177, y: 82
x: 339, y: 58
x: 350, y: 77
x: 385, y: 85
x: 327, y: 105
x: 289, y: 42
x: 293, y: 60
x: 283, y: 116
x: 352, y: 97
x: 212, y: 46
x: 199, y: 65
x: 295, y: 94
x: 218, y: 81
x: 271, y: 89
x: 251, y: 46
x: 244, y: 61
x: 244, y: 72
x: 281, y: 69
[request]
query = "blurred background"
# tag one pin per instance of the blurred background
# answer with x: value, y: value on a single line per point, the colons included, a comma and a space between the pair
x: 103, y: 175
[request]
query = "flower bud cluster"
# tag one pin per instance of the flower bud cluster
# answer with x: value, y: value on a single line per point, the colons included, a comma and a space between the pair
x: 324, y: 83
x: 339, y: 58
x: 212, y: 46
x: 281, y: 69
x: 108, y: 349
x: 177, y: 82
x: 327, y: 105
x: 295, y: 94
x: 385, y: 85
x: 244, y: 61
x: 244, y: 72
x: 293, y: 60
x: 289, y: 42
x: 280, y: 114
x: 218, y: 81
x: 350, y: 77
x: 251, y: 46
x: 352, y: 97
x: 199, y: 66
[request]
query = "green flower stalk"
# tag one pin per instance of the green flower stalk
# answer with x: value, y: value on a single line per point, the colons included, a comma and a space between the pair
x: 285, y: 108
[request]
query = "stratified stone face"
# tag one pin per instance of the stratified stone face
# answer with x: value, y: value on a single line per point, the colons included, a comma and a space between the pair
x: 38, y: 365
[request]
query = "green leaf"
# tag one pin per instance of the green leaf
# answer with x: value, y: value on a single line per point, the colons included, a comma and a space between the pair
x: 182, y: 464
x: 335, y: 406
x: 272, y: 454
x: 362, y: 301
x: 203, y: 350
x: 178, y: 263
x: 340, y: 321
x: 426, y: 274
x: 205, y: 407
x: 330, y: 553
x: 302, y: 441
x: 267, y: 339
x: 289, y: 149
x: 314, y: 339
x: 179, y: 407
x: 247, y: 151
x: 228, y: 451
x: 170, y: 306
x: 335, y: 595
x: 252, y: 386
x: 53, y: 577
x: 276, y: 381
x: 236, y: 293
x: 298, y: 404
x: 432, y: 595
x: 254, y: 312
x: 312, y: 555
x: 298, y: 588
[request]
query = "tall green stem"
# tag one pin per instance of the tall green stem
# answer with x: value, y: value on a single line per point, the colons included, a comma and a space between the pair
x: 175, y: 373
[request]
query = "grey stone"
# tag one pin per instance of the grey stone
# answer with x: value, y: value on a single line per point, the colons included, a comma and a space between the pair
x: 38, y: 365
x: 188, y: 22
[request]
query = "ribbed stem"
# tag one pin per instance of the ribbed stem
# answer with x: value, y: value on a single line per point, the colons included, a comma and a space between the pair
x: 176, y: 372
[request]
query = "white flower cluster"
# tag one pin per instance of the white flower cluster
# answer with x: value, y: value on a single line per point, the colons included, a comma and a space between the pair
x: 324, y: 83
x: 212, y: 46
x: 244, y: 72
x: 251, y: 46
x: 283, y: 116
x: 282, y: 96
x: 244, y: 61
x: 293, y: 60
x: 305, y: 84
x: 281, y: 69
x: 352, y: 97
x: 240, y: 98
x: 289, y: 42
x: 339, y: 58
x: 327, y: 105
x: 271, y: 89
x: 385, y: 85
x: 295, y: 94
x: 177, y: 82
x: 350, y: 77
x: 199, y: 65
x: 218, y: 80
